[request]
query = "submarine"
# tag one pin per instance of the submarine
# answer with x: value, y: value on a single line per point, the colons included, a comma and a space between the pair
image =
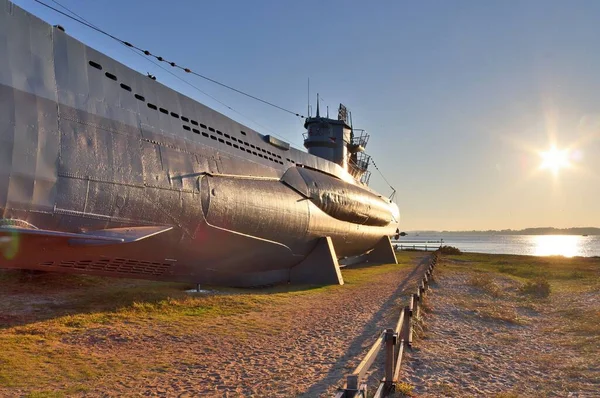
x: 105, y: 171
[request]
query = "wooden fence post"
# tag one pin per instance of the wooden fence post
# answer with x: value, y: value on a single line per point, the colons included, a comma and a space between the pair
x: 391, y: 339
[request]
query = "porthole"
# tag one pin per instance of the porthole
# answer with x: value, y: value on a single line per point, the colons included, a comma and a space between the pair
x: 228, y: 143
x: 211, y: 129
x: 95, y: 65
x: 213, y: 137
x: 186, y: 127
x: 139, y: 97
x: 196, y: 131
x: 202, y: 125
x: 221, y: 140
x: 243, y: 132
x: 125, y: 87
x: 152, y: 106
x: 185, y: 119
x: 175, y: 115
x: 163, y: 110
x: 204, y: 134
x: 110, y: 76
x: 195, y: 123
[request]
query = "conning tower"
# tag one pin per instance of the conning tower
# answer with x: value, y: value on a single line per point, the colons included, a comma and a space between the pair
x: 336, y: 141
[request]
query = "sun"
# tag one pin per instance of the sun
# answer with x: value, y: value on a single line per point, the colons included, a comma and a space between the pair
x: 555, y: 159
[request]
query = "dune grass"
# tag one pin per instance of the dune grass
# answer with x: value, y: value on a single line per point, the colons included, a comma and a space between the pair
x: 564, y: 273
x: 564, y: 291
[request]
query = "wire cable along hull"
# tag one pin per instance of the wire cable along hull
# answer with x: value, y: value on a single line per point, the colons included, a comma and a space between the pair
x: 105, y: 171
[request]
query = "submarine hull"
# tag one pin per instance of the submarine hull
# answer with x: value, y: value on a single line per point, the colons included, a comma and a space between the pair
x: 105, y: 171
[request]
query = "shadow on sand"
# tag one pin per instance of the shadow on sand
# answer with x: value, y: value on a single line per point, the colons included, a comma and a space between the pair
x: 355, y: 347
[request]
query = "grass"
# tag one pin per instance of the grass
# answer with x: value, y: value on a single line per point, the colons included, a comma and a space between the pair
x: 539, y: 287
x: 527, y: 267
x: 49, y: 344
x: 558, y: 295
x: 525, y: 283
x: 404, y: 389
x: 485, y: 283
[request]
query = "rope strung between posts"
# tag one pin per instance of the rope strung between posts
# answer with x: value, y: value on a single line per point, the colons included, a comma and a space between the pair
x: 161, y: 59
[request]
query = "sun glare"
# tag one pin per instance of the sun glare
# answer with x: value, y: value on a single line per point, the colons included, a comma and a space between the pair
x: 555, y: 159
x: 556, y: 245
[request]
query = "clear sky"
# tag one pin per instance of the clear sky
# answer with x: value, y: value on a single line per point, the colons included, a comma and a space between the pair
x: 459, y: 96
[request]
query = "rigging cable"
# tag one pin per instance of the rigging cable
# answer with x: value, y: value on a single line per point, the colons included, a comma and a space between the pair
x: 89, y: 24
x: 385, y: 179
x: 161, y: 59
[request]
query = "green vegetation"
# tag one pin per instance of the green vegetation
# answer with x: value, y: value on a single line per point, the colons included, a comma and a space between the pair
x: 539, y: 287
x: 450, y: 250
x: 561, y: 293
x: 485, y: 283
x: 404, y: 389
x: 579, y: 274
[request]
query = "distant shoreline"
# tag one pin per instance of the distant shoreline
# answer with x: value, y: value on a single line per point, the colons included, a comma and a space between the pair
x: 526, y: 231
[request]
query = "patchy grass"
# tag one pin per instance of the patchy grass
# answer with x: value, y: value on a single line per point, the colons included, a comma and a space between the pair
x: 555, y: 296
x: 537, y: 288
x: 403, y: 389
x: 553, y: 267
x: 54, y: 327
x: 491, y: 310
x: 485, y: 283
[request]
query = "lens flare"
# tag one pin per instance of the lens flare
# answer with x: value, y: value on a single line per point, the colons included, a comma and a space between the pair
x: 555, y: 159
x: 9, y: 246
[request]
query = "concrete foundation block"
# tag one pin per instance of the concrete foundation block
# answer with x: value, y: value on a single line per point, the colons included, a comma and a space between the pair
x: 319, y: 268
x: 383, y: 252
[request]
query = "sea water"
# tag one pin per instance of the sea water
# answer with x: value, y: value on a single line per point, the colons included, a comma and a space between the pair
x: 536, y: 245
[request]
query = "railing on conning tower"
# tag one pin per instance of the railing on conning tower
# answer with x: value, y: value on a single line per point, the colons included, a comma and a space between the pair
x: 362, y: 161
x: 360, y: 138
x: 359, y: 161
x: 358, y: 165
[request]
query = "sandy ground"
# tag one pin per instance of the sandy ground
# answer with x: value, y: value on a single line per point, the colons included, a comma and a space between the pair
x: 304, y: 349
x: 466, y: 352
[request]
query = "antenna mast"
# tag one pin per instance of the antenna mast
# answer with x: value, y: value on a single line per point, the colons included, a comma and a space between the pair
x: 308, y: 98
x: 318, y: 105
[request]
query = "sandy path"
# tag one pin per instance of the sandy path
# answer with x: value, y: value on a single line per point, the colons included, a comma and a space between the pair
x: 316, y: 343
x: 302, y: 348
